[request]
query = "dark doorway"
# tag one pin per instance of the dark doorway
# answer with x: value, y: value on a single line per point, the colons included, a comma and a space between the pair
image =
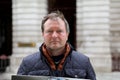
x: 5, y: 33
x: 68, y: 7
x: 5, y: 27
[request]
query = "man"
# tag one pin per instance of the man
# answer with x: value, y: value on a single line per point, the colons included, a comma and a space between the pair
x: 56, y: 57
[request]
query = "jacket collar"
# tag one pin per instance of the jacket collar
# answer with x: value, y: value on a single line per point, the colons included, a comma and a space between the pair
x: 45, y: 54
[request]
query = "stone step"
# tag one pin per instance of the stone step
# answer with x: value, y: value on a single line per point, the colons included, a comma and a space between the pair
x: 6, y: 76
x: 108, y: 76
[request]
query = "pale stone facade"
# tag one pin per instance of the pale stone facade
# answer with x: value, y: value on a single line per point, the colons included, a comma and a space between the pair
x: 97, y: 30
x: 93, y: 32
x: 27, y: 16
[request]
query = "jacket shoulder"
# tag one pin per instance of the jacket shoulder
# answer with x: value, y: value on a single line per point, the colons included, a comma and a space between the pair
x: 32, y: 58
x: 79, y: 56
x: 28, y: 63
x: 79, y: 60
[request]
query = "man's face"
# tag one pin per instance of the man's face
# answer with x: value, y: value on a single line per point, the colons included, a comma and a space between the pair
x: 55, y: 35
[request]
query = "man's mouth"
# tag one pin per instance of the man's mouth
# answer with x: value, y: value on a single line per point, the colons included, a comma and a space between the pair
x: 54, y: 42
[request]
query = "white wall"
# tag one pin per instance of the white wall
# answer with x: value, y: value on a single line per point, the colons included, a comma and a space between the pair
x: 93, y: 32
x: 27, y: 16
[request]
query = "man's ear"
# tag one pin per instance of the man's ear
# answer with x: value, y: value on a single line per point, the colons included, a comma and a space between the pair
x: 42, y: 33
x: 67, y: 35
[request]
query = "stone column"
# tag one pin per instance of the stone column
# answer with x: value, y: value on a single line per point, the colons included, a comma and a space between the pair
x: 93, y: 32
x: 27, y: 16
x: 115, y: 34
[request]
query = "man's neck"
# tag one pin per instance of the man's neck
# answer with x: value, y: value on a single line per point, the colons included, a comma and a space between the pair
x: 56, y: 52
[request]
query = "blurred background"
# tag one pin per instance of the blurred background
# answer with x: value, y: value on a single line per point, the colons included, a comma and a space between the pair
x: 94, y: 31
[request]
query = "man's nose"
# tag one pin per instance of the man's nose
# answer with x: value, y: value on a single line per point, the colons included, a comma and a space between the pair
x: 54, y: 34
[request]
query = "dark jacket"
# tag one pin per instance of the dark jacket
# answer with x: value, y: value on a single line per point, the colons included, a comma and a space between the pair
x: 76, y: 65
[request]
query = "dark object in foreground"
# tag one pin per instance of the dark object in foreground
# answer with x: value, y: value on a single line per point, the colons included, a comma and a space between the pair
x: 26, y: 77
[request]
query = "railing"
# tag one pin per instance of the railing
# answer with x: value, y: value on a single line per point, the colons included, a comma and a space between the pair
x: 115, y: 61
x: 4, y: 62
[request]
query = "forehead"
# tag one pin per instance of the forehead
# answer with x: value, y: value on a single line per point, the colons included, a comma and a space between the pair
x: 55, y: 20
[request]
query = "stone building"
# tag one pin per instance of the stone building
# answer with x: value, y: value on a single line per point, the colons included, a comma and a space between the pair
x: 94, y: 28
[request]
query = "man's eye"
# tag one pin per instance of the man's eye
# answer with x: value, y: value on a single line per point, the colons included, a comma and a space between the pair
x: 49, y: 31
x: 59, y: 31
